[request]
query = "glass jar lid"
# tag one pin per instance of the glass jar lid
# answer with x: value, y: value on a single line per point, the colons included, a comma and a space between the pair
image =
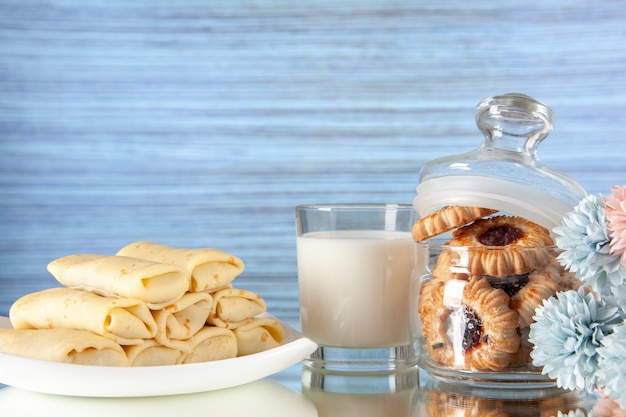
x: 504, y: 173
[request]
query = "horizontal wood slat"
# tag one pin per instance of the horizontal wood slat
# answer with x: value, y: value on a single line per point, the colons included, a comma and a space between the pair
x: 203, y: 123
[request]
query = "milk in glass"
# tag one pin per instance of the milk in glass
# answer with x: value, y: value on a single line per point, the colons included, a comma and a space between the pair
x: 354, y: 287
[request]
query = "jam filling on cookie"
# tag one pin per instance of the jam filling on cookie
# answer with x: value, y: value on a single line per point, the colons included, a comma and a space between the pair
x: 510, y: 284
x: 503, y: 235
x: 473, y: 330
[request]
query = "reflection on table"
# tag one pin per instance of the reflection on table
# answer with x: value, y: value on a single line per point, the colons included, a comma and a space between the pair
x: 261, y: 398
x: 363, y: 396
x: 443, y: 399
x: 410, y: 393
x: 406, y: 394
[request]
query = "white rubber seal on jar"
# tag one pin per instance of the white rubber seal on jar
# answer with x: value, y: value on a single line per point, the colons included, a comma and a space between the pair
x: 477, y: 191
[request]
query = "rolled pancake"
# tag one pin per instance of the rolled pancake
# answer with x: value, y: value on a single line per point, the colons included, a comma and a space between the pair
x: 210, y: 269
x: 124, y: 320
x: 63, y: 345
x: 155, y: 283
x: 211, y: 344
x: 151, y: 353
x: 233, y: 306
x: 182, y: 319
x: 258, y: 335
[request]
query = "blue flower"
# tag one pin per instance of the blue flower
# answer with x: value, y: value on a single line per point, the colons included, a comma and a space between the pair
x: 566, y: 334
x: 584, y: 238
x: 612, y: 364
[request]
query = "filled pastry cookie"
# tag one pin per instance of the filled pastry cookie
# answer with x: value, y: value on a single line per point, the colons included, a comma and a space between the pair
x: 541, y: 284
x: 434, y: 316
x: 490, y: 336
x: 446, y: 219
x: 468, y: 324
x: 451, y: 264
x: 525, y: 243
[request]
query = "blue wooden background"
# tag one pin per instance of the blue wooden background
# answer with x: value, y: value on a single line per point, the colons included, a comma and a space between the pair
x: 203, y: 123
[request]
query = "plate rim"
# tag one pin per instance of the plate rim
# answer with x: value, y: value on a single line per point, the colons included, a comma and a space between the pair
x: 95, y: 381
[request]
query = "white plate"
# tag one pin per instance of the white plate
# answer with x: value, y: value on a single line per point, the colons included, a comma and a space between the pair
x: 101, y: 381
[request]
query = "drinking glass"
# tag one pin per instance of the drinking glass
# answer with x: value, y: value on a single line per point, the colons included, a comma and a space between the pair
x: 354, y: 271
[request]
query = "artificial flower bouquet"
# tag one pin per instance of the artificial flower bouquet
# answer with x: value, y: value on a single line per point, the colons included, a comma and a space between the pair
x: 579, y: 336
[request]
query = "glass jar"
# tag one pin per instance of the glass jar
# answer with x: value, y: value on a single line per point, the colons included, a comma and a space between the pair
x: 481, y: 273
x: 474, y: 327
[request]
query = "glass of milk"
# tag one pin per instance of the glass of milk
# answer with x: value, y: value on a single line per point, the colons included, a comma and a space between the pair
x: 354, y: 271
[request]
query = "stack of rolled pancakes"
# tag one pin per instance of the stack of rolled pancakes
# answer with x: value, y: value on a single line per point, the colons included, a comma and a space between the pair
x: 148, y: 305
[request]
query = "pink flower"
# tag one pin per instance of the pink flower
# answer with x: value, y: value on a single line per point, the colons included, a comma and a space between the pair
x: 616, y: 218
x: 607, y: 407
